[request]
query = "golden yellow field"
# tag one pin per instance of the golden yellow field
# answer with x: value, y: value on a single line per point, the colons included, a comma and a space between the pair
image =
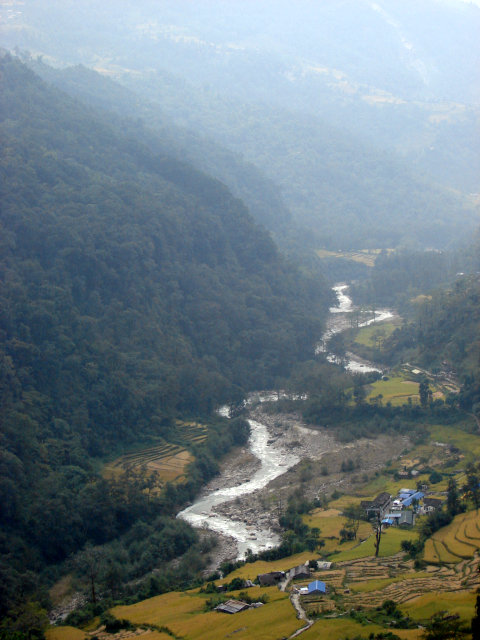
x: 167, y: 461
x: 363, y: 256
x: 449, y: 544
x: 184, y: 615
x: 472, y: 531
x: 64, y: 633
x: 425, y: 606
x: 252, y: 570
x: 330, y: 522
x: 389, y: 545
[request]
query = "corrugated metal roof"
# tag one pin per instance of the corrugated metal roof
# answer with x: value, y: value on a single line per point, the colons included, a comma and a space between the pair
x: 232, y: 606
x: 317, y: 585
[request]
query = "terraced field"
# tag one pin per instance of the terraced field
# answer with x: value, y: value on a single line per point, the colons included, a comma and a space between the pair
x: 456, y: 542
x: 372, y: 581
x: 191, y: 432
x: 167, y: 461
x: 363, y: 256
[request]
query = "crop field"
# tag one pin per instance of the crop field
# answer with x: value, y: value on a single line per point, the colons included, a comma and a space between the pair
x: 343, y: 501
x: 396, y: 390
x: 339, y: 628
x: 185, y: 616
x: 456, y: 542
x: 468, y: 443
x: 191, y: 432
x: 389, y: 545
x: 167, y: 461
x: 69, y: 633
x: 330, y: 522
x: 369, y: 336
x: 64, y: 633
x: 363, y: 256
x: 252, y: 570
x: 424, y: 606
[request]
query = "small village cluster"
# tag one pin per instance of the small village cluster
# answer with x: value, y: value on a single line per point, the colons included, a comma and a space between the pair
x: 401, y: 510
x: 277, y: 578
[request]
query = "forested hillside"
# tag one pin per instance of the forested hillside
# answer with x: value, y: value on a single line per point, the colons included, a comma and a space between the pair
x: 153, y: 124
x: 443, y: 331
x: 134, y: 290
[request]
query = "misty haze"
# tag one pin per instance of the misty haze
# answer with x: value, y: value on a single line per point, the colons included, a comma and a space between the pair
x: 240, y: 319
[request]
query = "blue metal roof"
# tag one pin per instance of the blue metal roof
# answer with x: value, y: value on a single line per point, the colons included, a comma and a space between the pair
x: 317, y: 585
x: 416, y: 496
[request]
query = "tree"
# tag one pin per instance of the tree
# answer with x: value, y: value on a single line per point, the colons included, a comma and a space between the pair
x: 453, y: 499
x: 377, y: 529
x: 443, y: 626
x: 472, y: 486
x: 359, y: 392
x: 424, y: 392
x: 476, y: 621
x: 354, y: 514
x: 89, y: 563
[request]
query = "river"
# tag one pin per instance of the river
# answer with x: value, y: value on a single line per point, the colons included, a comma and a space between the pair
x: 339, y: 321
x: 274, y: 460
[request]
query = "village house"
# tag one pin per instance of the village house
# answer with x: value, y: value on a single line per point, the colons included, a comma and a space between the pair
x: 407, y: 519
x: 232, y: 606
x: 413, y: 498
x: 432, y: 504
x: 392, y: 518
x: 317, y: 587
x: 377, y: 507
x: 270, y: 579
x: 299, y: 573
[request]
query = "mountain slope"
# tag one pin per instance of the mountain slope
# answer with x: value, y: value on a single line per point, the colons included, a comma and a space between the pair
x: 134, y: 290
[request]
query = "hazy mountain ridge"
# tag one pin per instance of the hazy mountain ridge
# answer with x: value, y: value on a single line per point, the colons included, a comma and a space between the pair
x: 378, y: 54
x: 335, y: 184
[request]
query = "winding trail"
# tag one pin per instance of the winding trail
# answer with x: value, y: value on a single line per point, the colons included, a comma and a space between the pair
x: 301, y: 614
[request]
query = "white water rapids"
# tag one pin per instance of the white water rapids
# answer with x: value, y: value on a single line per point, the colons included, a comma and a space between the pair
x: 274, y: 461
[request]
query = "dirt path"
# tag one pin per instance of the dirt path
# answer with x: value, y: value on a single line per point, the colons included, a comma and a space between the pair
x: 301, y: 615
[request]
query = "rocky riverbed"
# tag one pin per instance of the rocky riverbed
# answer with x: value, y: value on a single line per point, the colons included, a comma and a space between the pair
x: 319, y: 471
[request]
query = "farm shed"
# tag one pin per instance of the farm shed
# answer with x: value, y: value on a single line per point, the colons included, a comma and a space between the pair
x: 317, y: 587
x: 270, y: 579
x: 379, y: 506
x: 300, y: 572
x: 232, y: 606
x: 395, y: 516
x: 432, y: 504
x: 407, y: 519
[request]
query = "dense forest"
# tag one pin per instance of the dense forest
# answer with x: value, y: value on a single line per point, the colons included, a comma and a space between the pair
x: 134, y: 290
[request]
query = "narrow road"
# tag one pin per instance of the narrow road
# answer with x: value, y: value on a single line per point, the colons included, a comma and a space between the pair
x: 295, y: 600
